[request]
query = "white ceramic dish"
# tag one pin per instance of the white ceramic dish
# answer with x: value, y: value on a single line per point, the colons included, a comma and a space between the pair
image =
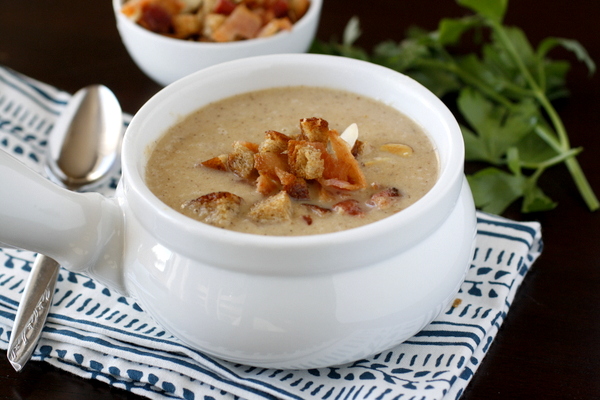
x: 280, y: 302
x: 166, y: 59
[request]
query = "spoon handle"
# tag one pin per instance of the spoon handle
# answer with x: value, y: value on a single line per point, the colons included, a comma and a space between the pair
x: 33, y: 310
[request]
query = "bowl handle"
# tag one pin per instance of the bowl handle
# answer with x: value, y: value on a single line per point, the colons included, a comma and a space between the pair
x: 81, y: 231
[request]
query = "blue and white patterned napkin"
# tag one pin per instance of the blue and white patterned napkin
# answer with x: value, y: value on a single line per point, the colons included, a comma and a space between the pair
x: 98, y: 334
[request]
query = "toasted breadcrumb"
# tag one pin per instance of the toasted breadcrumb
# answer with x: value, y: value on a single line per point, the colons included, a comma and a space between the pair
x: 275, y: 208
x: 219, y: 163
x: 275, y: 142
x: 217, y: 208
x: 306, y: 159
x: 314, y: 129
x: 241, y: 159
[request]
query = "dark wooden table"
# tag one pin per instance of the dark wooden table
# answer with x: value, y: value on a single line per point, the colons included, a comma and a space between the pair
x: 549, y: 345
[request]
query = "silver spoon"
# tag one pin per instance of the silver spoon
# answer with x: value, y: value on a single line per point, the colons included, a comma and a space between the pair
x: 83, y: 149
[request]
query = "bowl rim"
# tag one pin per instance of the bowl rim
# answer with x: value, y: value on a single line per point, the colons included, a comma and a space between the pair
x: 311, y: 15
x: 132, y: 171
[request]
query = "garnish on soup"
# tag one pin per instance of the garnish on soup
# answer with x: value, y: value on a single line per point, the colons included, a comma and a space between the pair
x: 215, y: 20
x: 247, y: 163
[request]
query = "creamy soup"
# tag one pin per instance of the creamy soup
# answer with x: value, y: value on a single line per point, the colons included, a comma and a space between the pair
x: 199, y: 166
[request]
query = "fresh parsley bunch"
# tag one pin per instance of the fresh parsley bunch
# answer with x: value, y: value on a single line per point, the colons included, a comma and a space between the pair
x: 503, y: 92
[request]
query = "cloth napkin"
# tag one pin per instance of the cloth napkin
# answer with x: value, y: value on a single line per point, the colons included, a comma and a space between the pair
x: 98, y: 334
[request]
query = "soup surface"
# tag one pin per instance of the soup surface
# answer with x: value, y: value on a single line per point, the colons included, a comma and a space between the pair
x: 397, y: 162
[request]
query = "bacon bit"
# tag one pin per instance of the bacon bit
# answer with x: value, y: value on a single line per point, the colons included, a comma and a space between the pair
x: 217, y: 208
x: 266, y: 186
x: 240, y: 24
x: 314, y: 130
x: 280, y: 8
x: 398, y: 149
x: 342, y: 171
x: 266, y: 163
x: 224, y: 7
x: 156, y: 18
x: 308, y: 219
x: 385, y: 198
x: 294, y: 185
x: 296, y: 167
x: 219, y: 163
x: 349, y: 207
x: 204, y: 20
x: 320, y: 211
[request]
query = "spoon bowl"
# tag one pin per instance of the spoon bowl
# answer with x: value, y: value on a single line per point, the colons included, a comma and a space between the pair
x: 85, y: 144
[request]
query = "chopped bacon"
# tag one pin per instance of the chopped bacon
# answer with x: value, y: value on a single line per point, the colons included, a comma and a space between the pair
x: 280, y: 8
x: 215, y: 20
x: 219, y: 163
x: 240, y: 24
x: 307, y: 219
x: 385, y: 198
x: 266, y: 186
x: 342, y: 171
x: 349, y: 207
x: 266, y: 163
x: 320, y: 211
x: 225, y: 7
x: 317, y: 161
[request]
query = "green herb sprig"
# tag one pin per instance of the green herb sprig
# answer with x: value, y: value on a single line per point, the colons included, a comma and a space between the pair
x: 504, y: 92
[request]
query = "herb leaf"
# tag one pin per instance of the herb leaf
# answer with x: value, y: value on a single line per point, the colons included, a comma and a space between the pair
x: 503, y: 93
x: 492, y: 9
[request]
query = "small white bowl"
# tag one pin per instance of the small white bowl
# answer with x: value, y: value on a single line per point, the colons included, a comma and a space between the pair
x: 166, y: 59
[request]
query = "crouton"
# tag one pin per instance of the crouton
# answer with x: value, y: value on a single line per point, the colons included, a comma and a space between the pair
x: 306, y: 159
x: 275, y: 208
x: 266, y: 163
x: 293, y: 185
x: 217, y: 208
x: 241, y: 160
x: 219, y: 163
x: 275, y: 142
x: 314, y: 130
x: 185, y: 25
x: 266, y: 186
